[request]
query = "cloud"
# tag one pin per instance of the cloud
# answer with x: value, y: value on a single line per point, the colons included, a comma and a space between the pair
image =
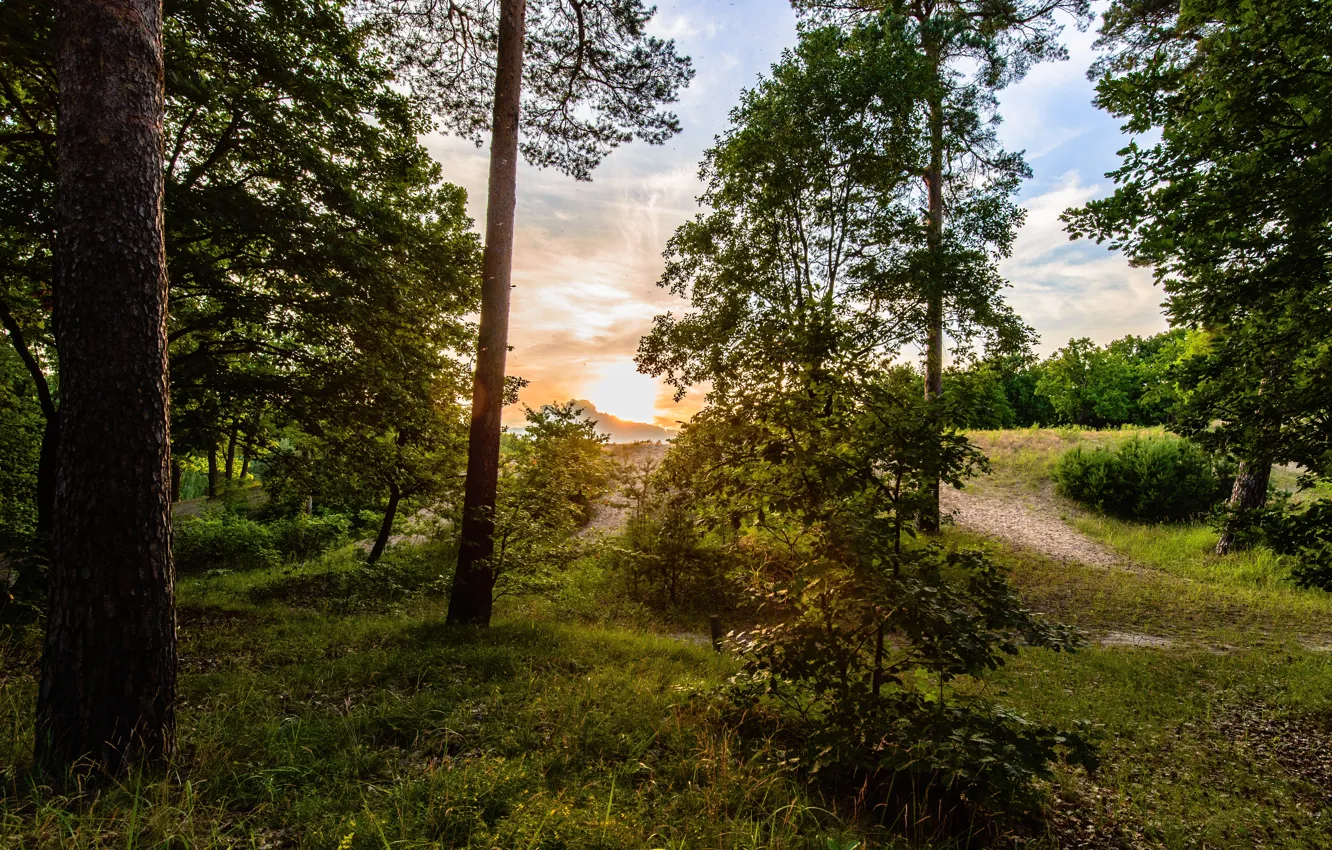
x: 621, y: 430
x: 1074, y: 289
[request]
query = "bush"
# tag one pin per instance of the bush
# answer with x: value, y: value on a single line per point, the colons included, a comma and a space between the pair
x: 231, y: 541
x: 863, y: 682
x: 1154, y: 479
x: 302, y: 537
x: 223, y: 541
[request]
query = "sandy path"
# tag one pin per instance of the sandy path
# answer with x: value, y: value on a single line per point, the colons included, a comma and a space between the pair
x: 1028, y: 522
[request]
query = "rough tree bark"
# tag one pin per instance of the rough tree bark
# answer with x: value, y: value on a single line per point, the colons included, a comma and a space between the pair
x: 472, y: 594
x: 386, y: 527
x: 108, y: 674
x: 1249, y: 492
x: 176, y: 474
x: 929, y: 518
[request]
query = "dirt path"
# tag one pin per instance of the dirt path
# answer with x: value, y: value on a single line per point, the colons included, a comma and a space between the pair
x: 1033, y: 522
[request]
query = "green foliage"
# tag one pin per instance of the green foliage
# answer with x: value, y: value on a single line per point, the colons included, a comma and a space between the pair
x: 222, y: 541
x: 1300, y: 530
x: 593, y: 76
x: 977, y: 398
x: 341, y: 582
x: 229, y: 540
x: 549, y: 475
x: 868, y: 675
x: 1130, y: 381
x: 667, y: 558
x: 21, y: 427
x: 1229, y: 207
x: 1152, y: 479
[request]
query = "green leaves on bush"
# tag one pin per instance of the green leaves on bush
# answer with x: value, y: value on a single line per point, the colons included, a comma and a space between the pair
x: 231, y: 541
x: 1151, y: 479
x: 866, y: 675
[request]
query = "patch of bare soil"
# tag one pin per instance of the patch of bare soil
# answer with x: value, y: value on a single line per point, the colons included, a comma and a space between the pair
x: 1298, y: 745
x: 1029, y: 521
x: 1135, y: 639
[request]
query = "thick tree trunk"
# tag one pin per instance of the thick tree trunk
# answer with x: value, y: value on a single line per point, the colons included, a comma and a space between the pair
x: 929, y: 518
x: 472, y: 594
x: 212, y: 472
x: 1249, y: 492
x: 108, y: 674
x: 231, y: 448
x: 386, y: 528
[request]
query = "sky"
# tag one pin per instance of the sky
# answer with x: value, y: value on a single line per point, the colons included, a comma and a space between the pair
x: 587, y: 256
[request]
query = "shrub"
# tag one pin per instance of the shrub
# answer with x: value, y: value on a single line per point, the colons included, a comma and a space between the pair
x: 228, y: 540
x: 302, y: 537
x: 1153, y: 479
x: 864, y: 682
x: 225, y: 541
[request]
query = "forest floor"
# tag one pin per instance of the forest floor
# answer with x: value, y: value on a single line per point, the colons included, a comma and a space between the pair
x: 325, y: 705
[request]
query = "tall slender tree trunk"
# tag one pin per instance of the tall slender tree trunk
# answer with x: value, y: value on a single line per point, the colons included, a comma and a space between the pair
x: 386, y: 527
x: 231, y: 448
x: 472, y: 595
x: 245, y: 461
x: 212, y: 472
x: 929, y: 519
x: 1249, y: 492
x: 108, y: 674
x: 176, y: 474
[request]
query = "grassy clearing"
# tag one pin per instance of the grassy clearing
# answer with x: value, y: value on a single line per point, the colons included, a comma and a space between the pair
x: 303, y: 727
x: 326, y: 706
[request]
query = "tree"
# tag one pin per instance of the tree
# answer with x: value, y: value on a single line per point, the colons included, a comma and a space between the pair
x: 1229, y: 208
x: 969, y: 50
x: 578, y: 78
x: 306, y: 224
x: 552, y: 472
x: 108, y: 679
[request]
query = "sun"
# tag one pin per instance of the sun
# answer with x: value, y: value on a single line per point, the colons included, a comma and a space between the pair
x: 622, y: 391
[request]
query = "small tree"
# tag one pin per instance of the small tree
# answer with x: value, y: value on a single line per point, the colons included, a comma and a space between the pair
x: 552, y: 473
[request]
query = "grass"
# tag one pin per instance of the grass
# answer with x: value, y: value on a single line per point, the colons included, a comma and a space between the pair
x: 324, y: 706
x: 304, y: 724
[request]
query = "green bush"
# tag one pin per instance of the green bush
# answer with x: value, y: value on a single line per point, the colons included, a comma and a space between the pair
x: 222, y: 541
x: 302, y: 537
x: 1152, y: 479
x: 228, y: 540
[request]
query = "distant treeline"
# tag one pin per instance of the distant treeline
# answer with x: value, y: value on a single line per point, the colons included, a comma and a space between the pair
x: 1127, y: 382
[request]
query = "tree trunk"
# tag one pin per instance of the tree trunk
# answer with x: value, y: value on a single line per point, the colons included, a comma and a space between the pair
x: 245, y: 462
x: 176, y: 474
x: 929, y: 518
x: 108, y: 674
x: 1249, y: 492
x: 212, y: 472
x: 386, y: 528
x: 231, y: 448
x: 472, y: 594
